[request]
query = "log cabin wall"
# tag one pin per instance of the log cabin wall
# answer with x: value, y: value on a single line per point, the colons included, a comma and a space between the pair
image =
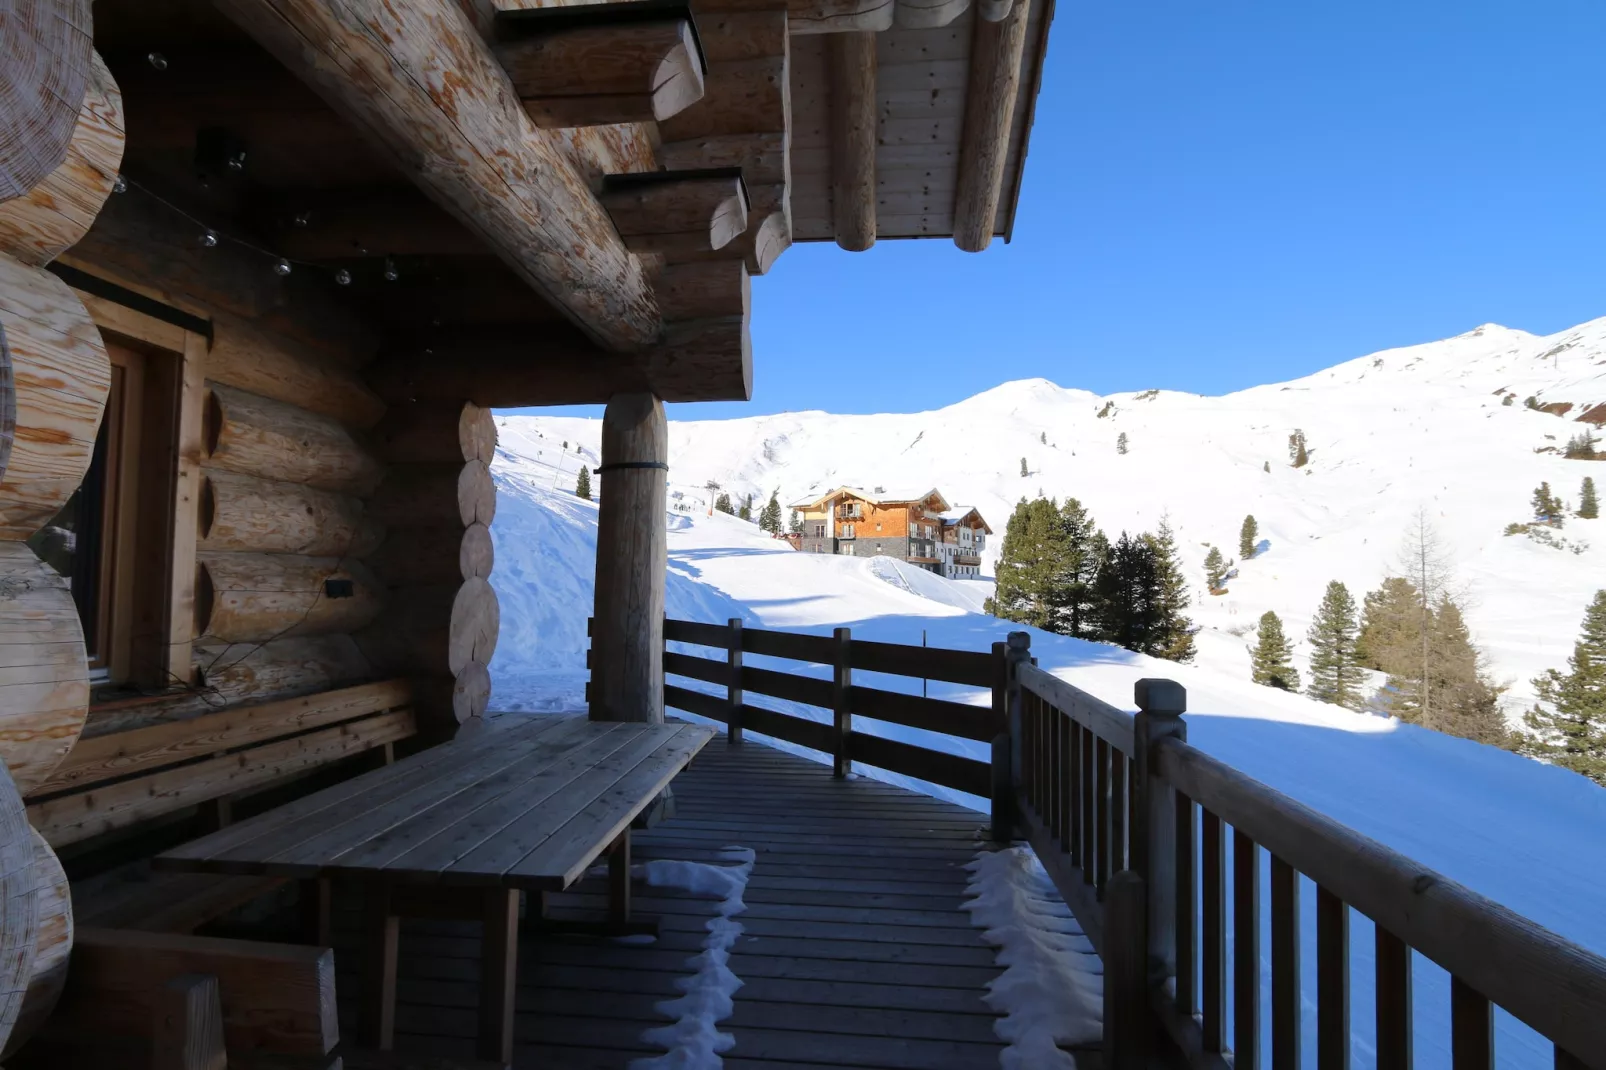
x: 437, y: 502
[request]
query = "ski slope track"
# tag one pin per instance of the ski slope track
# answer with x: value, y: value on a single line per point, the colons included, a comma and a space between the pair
x: 1388, y: 434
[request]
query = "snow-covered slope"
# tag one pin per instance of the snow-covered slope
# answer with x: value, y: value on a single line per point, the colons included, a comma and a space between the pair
x: 1528, y: 835
x: 1424, y: 427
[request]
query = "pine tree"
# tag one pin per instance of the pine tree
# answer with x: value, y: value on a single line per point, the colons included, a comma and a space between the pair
x: 1390, y: 638
x: 1043, y: 438
x: 582, y: 485
x: 1467, y: 701
x: 1273, y: 657
x: 1335, y: 669
x: 1547, y: 507
x: 1572, y: 733
x: 746, y: 511
x: 1247, y: 538
x: 1120, y: 443
x: 1128, y: 593
x: 1174, y: 638
x: 1084, y: 549
x: 1024, y: 471
x: 1297, y: 453
x: 1215, y: 571
x: 722, y: 504
x: 1588, y: 504
x: 769, y: 518
x: 1266, y: 466
x: 1030, y: 566
x: 795, y: 525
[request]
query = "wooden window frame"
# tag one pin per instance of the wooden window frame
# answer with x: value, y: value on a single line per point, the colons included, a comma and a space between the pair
x: 152, y: 552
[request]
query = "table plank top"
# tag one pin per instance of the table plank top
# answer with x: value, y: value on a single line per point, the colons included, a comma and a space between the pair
x: 526, y: 802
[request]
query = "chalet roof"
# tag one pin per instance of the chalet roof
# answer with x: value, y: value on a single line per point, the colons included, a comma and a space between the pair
x: 875, y: 498
x: 960, y: 513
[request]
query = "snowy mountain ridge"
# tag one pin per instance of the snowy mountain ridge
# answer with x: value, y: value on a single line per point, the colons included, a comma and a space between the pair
x: 1445, y: 427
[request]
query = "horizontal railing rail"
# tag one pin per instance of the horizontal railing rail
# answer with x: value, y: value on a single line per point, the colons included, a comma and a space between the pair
x: 1140, y: 831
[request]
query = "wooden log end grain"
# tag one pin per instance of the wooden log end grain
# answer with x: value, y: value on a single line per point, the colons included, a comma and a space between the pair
x: 45, y: 54
x: 52, y: 945
x: 44, y: 678
x: 52, y: 216
x: 55, y: 364
x: 19, y: 905
x: 475, y: 623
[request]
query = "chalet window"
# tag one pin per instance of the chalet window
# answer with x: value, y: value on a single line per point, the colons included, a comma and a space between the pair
x: 110, y: 538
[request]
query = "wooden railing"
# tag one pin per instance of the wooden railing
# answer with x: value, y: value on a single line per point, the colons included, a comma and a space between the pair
x: 1139, y: 832
x: 841, y: 655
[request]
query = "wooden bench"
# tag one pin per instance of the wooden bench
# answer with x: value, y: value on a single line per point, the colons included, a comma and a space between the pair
x: 120, y: 780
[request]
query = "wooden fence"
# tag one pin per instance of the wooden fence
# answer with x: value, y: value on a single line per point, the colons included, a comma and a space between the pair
x: 1138, y: 830
x: 842, y: 655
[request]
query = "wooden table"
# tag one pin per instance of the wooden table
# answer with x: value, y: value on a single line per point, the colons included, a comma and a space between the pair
x: 526, y: 803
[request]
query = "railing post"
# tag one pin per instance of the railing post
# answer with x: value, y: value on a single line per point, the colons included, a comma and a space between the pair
x: 733, y: 685
x: 1127, y: 1019
x: 1161, y: 704
x: 1006, y: 765
x: 842, y: 719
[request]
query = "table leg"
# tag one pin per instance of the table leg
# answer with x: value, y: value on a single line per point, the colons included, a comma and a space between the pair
x: 376, y: 1023
x: 315, y: 911
x: 619, y: 878
x: 499, y: 965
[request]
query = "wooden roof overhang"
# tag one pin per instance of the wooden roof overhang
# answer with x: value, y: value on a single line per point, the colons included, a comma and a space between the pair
x: 548, y: 205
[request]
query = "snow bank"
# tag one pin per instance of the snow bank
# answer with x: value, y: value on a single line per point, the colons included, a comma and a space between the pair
x: 693, y: 1041
x: 1052, y: 989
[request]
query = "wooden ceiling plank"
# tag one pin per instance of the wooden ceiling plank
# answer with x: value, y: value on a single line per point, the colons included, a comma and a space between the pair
x: 415, y: 76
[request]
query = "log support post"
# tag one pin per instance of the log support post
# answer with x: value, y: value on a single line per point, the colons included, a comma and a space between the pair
x: 1126, y: 998
x: 627, y: 643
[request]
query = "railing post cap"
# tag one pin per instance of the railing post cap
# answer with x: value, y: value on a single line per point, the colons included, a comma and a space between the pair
x: 1020, y: 640
x: 1165, y: 697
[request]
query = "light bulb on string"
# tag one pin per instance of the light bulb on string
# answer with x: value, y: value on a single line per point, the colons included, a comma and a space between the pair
x: 281, y: 267
x: 157, y: 60
x: 342, y: 277
x: 391, y: 274
x: 302, y: 218
x: 209, y: 239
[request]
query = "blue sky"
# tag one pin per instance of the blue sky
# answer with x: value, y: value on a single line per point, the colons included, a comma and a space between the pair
x: 1233, y: 192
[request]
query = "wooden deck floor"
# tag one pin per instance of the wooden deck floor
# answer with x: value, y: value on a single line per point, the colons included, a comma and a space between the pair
x: 855, y: 951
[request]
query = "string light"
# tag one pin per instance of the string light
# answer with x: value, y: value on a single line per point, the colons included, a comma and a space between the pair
x: 157, y: 60
x: 391, y: 274
x: 211, y: 238
x: 301, y: 219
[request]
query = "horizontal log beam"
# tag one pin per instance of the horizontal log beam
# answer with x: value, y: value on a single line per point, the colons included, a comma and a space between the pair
x: 416, y: 78
x: 677, y: 213
x: 929, y: 14
x: 700, y: 360
x: 996, y: 52
x: 706, y: 354
x: 851, y: 70
x: 600, y: 74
